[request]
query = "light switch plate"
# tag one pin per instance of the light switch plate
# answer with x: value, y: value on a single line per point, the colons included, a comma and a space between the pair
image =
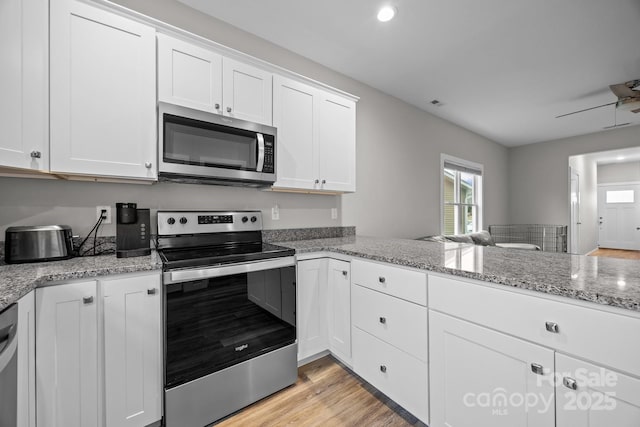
x: 334, y: 213
x: 275, y: 213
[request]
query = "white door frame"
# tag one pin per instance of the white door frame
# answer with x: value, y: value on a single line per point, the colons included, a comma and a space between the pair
x: 599, y: 201
x: 574, y: 214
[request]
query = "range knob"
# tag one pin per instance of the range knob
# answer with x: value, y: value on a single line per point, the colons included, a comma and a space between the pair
x: 183, y: 220
x: 171, y: 221
x: 245, y: 219
x: 254, y: 219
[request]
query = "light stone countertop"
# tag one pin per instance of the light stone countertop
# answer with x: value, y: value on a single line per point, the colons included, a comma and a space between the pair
x: 608, y: 281
x: 16, y: 280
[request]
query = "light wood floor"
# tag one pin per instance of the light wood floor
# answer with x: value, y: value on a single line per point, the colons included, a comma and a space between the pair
x: 327, y: 395
x: 616, y: 253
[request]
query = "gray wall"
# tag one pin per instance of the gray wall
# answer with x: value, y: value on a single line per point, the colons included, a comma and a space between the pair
x: 619, y: 172
x: 398, y: 154
x: 539, y: 174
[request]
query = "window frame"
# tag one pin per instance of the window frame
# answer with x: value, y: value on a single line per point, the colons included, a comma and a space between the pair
x: 477, y: 190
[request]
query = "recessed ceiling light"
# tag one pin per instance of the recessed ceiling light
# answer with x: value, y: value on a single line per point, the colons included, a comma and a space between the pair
x: 386, y: 13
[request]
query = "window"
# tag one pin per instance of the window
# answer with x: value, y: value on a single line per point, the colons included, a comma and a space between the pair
x: 620, y: 196
x: 461, y: 196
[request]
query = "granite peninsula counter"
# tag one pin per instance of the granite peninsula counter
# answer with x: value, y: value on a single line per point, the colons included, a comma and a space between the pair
x: 17, y: 280
x: 607, y: 281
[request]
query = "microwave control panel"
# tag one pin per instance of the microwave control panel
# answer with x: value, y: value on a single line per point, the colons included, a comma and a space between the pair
x: 268, y: 157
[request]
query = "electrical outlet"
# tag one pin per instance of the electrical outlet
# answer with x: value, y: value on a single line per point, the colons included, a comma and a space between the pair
x: 275, y: 213
x: 107, y: 219
x: 334, y: 213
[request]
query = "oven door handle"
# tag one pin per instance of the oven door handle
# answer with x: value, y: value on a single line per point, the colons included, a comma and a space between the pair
x: 189, y: 275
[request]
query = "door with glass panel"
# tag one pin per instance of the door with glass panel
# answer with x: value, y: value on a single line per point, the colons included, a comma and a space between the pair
x: 619, y: 216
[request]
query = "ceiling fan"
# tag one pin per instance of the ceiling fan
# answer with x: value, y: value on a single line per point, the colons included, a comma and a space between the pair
x: 628, y: 94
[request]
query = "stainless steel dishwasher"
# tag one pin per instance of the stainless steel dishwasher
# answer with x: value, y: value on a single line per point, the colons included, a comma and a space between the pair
x: 9, y: 366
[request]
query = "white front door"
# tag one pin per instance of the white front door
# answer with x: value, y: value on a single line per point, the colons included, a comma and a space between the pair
x: 619, y: 216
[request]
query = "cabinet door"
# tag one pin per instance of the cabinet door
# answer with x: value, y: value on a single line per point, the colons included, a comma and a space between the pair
x: 102, y: 93
x: 479, y: 377
x: 189, y: 75
x: 27, y: 361
x: 337, y: 142
x: 339, y: 308
x: 590, y: 395
x: 132, y: 347
x: 67, y: 356
x: 247, y: 92
x: 24, y: 103
x: 295, y: 114
x: 311, y: 313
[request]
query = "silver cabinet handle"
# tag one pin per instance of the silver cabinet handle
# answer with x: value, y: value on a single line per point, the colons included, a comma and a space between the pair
x: 87, y: 300
x: 217, y: 106
x: 383, y: 320
x: 345, y: 272
x: 36, y: 154
x: 537, y: 369
x: 317, y: 181
x: 228, y: 109
x: 552, y: 327
x: 260, y: 164
x: 381, y: 279
x: 148, y: 165
x: 151, y: 291
x: 383, y: 368
x: 570, y: 383
x: 324, y: 181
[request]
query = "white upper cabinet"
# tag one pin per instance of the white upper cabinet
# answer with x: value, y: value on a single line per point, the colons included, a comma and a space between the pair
x: 337, y: 143
x: 295, y: 117
x: 189, y: 75
x: 103, y: 120
x: 316, y: 145
x: 24, y: 106
x: 247, y: 92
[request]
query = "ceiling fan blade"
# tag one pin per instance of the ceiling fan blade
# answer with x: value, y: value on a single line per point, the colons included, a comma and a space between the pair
x: 625, y: 90
x: 587, y: 109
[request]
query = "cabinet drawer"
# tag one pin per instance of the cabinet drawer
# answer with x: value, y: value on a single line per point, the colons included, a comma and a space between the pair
x: 588, y: 333
x: 395, y: 321
x: 393, y: 372
x: 401, y: 283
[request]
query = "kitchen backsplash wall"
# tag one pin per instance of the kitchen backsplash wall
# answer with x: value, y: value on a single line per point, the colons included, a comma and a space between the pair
x: 26, y: 201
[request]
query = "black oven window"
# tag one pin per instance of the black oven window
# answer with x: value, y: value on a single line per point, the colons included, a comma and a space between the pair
x: 215, y: 323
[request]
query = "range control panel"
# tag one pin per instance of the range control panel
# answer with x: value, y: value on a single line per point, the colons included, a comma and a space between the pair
x: 195, y: 222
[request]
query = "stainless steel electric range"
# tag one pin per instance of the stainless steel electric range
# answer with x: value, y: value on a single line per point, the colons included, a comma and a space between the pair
x: 230, y: 321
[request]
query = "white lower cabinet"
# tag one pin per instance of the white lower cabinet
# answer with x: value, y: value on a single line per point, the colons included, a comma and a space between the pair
x: 339, y: 309
x: 27, y: 361
x: 590, y: 395
x: 397, y: 374
x: 324, y: 308
x: 480, y: 377
x: 311, y: 311
x: 132, y: 350
x: 99, y: 352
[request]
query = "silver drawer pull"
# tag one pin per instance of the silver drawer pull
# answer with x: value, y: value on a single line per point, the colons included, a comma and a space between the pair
x: 381, y: 279
x: 87, y: 300
x: 383, y: 320
x: 344, y: 273
x: 151, y: 291
x: 228, y: 109
x: 383, y: 368
x: 36, y: 154
x: 552, y: 327
x: 570, y: 383
x: 217, y: 106
x: 537, y: 369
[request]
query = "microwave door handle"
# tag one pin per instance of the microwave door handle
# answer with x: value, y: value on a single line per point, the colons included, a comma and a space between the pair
x: 260, y: 152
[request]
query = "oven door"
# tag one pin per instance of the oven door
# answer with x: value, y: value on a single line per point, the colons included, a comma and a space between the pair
x: 200, y: 144
x: 218, y: 317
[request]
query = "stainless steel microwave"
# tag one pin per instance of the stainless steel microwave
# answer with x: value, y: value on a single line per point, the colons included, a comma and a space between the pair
x: 199, y: 147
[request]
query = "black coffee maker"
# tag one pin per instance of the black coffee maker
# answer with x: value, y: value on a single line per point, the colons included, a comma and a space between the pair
x: 132, y: 230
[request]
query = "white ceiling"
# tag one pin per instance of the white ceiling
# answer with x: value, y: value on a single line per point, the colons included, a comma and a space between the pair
x: 501, y: 68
